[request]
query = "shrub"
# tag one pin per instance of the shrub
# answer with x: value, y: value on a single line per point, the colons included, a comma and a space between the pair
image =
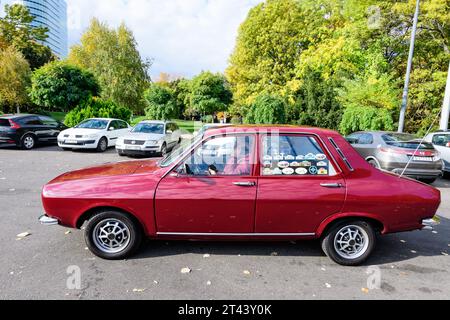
x: 207, y: 119
x: 236, y: 120
x: 267, y: 109
x: 160, y: 103
x: 365, y: 118
x: 96, y: 108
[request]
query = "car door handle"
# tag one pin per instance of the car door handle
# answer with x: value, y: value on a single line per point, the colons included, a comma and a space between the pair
x: 331, y: 185
x: 245, y: 184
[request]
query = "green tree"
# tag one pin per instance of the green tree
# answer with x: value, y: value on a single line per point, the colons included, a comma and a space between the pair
x: 14, y: 79
x: 112, y: 56
x: 59, y: 86
x: 209, y: 93
x: 160, y: 102
x: 16, y: 29
x: 365, y: 118
x: 181, y: 89
x: 267, y: 109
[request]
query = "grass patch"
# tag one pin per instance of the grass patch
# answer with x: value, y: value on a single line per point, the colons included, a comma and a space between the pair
x: 58, y: 115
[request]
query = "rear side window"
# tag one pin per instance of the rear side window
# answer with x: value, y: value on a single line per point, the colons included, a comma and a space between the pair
x: 30, y: 121
x: 293, y: 155
x: 365, y: 138
x: 48, y: 121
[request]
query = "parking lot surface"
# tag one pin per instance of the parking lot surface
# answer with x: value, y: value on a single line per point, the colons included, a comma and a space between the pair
x: 412, y: 265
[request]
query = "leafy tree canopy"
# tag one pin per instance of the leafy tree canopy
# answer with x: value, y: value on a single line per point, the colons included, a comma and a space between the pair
x: 61, y: 86
x: 160, y: 101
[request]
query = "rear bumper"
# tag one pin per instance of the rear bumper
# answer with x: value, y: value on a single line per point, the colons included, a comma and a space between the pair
x: 419, y: 173
x: 48, y: 221
x: 10, y: 139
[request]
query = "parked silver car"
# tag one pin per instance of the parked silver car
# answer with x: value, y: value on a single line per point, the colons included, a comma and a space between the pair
x: 392, y: 151
x: 441, y: 142
x: 149, y: 138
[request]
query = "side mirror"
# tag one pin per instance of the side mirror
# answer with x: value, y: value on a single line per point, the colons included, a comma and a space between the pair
x: 212, y: 170
x: 111, y: 129
x: 169, y: 131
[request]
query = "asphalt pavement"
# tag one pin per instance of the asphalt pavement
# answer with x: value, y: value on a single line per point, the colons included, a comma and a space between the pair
x: 44, y: 263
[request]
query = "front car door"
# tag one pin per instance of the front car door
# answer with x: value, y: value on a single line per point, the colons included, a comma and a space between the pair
x: 299, y: 185
x: 52, y: 128
x: 212, y: 191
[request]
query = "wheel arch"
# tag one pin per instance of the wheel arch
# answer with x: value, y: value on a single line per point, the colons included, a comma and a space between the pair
x: 88, y: 214
x: 374, y: 220
x: 373, y: 158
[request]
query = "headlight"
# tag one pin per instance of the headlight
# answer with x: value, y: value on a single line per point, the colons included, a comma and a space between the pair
x: 90, y: 136
x: 150, y: 142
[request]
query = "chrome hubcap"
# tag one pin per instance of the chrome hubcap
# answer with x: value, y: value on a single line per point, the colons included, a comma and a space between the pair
x: 351, y: 242
x: 28, y: 142
x: 111, y: 235
x: 103, y: 144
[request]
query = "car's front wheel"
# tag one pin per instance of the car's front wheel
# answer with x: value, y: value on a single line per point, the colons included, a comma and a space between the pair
x: 163, y: 150
x: 349, y: 243
x: 112, y: 235
x: 102, y: 145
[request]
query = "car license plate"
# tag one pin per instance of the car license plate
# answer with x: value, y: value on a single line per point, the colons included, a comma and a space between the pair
x: 429, y: 159
x: 71, y: 141
x: 132, y: 147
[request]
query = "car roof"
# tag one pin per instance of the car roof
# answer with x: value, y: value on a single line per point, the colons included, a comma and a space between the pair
x: 262, y: 128
x: 15, y: 116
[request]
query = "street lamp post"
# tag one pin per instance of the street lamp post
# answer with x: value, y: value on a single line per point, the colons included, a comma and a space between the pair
x: 401, y: 124
x: 446, y: 106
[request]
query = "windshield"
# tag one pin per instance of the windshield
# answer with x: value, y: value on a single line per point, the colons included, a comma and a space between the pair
x: 441, y: 139
x: 405, y: 140
x: 143, y: 127
x: 181, y: 149
x: 93, y: 124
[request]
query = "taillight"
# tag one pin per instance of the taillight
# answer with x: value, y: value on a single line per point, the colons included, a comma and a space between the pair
x: 13, y: 124
x: 448, y: 144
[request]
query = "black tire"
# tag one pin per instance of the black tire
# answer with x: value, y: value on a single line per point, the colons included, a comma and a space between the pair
x: 121, y: 154
x: 102, y: 145
x: 374, y: 163
x: 67, y: 149
x: 132, y: 240
x: 28, y: 142
x: 428, y: 181
x: 333, y: 234
x: 163, y: 150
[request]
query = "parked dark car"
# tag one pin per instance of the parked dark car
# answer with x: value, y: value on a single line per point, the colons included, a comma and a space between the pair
x: 392, y: 151
x: 28, y: 130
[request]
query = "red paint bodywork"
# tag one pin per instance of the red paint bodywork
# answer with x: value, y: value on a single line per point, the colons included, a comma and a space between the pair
x: 164, y: 203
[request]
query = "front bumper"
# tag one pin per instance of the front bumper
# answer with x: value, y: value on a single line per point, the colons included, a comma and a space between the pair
x: 48, y: 221
x: 79, y: 144
x: 141, y: 150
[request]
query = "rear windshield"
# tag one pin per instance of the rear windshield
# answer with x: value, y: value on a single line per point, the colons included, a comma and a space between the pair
x: 4, y: 123
x: 441, y: 139
x: 404, y: 140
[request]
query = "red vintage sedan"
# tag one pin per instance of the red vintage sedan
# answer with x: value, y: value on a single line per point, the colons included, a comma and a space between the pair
x: 241, y: 183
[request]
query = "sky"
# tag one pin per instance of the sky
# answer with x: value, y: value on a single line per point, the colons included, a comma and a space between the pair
x: 182, y: 37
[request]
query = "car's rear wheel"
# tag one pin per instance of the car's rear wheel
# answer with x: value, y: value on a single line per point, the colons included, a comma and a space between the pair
x: 112, y: 235
x: 350, y: 242
x: 67, y: 149
x: 374, y: 163
x: 28, y: 142
x: 102, y: 145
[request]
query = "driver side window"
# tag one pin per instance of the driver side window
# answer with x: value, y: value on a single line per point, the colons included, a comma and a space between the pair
x: 222, y: 156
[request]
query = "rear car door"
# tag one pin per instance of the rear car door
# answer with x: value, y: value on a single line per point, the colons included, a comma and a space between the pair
x: 113, y: 132
x: 364, y: 145
x: 193, y: 201
x: 300, y: 184
x: 34, y: 125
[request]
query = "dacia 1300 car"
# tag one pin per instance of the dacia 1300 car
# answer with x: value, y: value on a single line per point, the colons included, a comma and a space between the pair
x: 269, y: 183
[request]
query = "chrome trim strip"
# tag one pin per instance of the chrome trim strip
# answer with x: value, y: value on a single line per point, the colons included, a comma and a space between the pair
x: 234, y: 234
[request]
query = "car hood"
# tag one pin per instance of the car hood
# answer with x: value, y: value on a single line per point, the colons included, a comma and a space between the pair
x: 143, y: 136
x: 80, y: 131
x: 109, y: 169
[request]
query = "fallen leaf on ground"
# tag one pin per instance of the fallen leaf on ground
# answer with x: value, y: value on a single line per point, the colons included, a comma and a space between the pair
x: 138, y: 290
x: 206, y: 255
x: 365, y: 290
x: 208, y: 283
x: 246, y: 272
x: 155, y: 282
x: 434, y: 231
x: 273, y: 254
x: 413, y: 251
x: 327, y: 285
x: 11, y: 190
x: 402, y: 241
x: 323, y: 269
x: 185, y: 270
x: 68, y: 232
x: 444, y: 253
x: 23, y: 235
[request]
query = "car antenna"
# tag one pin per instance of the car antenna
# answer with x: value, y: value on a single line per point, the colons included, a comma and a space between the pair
x: 418, y: 146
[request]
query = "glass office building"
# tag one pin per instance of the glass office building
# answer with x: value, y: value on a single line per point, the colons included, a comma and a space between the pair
x: 53, y: 15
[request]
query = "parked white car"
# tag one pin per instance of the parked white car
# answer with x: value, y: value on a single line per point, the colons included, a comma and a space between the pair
x: 96, y: 133
x: 149, y: 138
x: 441, y: 142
